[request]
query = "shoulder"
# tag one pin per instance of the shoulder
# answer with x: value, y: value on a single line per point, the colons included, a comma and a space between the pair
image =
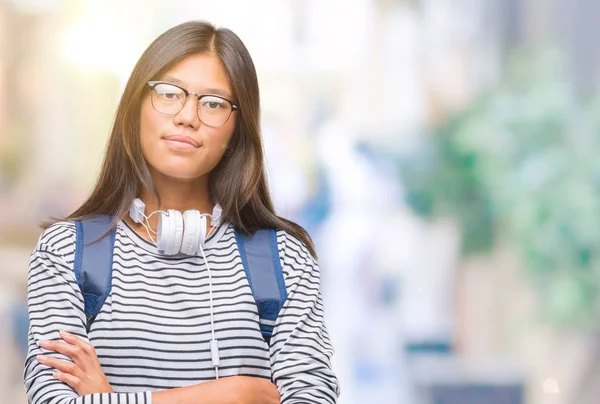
x: 291, y: 245
x: 296, y: 260
x: 54, y: 252
x: 58, y: 239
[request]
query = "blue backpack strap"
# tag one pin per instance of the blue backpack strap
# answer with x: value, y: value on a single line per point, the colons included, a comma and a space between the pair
x: 93, y: 262
x: 260, y: 257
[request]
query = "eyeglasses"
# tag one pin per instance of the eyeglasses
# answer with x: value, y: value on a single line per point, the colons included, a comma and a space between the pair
x: 169, y: 99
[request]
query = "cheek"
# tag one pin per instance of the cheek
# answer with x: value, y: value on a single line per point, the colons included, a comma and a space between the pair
x: 148, y: 128
x: 227, y: 132
x: 221, y: 139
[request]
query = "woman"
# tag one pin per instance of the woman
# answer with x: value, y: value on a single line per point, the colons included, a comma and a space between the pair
x: 186, y: 138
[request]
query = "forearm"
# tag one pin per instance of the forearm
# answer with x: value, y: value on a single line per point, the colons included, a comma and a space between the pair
x: 205, y: 393
x: 227, y: 390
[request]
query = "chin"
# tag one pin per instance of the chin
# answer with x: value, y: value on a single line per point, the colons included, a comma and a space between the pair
x: 179, y: 173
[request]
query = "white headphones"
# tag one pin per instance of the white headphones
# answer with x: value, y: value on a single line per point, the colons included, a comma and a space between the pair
x: 177, y: 232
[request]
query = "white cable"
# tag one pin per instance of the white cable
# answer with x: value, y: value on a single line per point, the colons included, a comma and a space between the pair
x: 211, y: 232
x: 147, y: 224
x: 214, y: 346
x: 152, y: 214
x: 148, y: 230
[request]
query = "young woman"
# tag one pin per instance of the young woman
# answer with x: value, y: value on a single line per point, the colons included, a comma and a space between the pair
x: 186, y: 138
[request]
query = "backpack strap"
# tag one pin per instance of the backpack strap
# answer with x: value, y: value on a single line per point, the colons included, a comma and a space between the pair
x: 260, y: 257
x: 93, y: 262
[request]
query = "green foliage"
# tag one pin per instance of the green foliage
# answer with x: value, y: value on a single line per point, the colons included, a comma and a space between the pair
x: 523, y: 163
x: 12, y: 151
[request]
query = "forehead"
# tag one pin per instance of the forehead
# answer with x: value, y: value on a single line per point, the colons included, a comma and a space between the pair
x: 202, y: 73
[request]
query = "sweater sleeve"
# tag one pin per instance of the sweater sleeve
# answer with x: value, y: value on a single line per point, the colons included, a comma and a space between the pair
x: 55, y: 303
x: 301, y: 349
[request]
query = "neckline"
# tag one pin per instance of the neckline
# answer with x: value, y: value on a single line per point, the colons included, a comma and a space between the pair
x: 152, y: 248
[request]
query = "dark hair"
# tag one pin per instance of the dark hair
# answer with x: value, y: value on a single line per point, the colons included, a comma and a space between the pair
x: 237, y: 183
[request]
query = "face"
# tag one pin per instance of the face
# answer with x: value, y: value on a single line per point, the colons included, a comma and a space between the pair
x: 178, y: 144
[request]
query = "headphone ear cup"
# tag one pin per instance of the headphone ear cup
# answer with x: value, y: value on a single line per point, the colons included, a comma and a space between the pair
x: 162, y: 231
x: 178, y: 236
x: 170, y: 232
x: 191, y: 232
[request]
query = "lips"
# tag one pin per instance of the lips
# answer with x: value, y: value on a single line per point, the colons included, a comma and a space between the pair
x: 182, y: 139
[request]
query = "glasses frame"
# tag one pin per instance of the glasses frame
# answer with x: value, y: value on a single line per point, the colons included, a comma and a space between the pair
x: 234, y: 107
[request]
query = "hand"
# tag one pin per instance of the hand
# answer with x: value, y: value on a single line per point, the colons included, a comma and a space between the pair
x: 84, y: 374
x: 249, y: 390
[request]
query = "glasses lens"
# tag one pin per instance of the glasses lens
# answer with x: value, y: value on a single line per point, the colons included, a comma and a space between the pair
x: 167, y: 99
x: 213, y: 110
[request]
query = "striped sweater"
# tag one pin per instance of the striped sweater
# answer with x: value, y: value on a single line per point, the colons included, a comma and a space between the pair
x: 153, y: 331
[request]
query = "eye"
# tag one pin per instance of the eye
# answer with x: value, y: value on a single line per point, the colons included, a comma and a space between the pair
x: 213, y: 103
x: 169, y: 92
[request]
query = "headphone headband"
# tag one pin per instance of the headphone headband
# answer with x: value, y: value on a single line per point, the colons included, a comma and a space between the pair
x: 178, y: 232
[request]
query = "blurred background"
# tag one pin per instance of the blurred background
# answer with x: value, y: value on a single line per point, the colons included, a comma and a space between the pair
x: 442, y: 154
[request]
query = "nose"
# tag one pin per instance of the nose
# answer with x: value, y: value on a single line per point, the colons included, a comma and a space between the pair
x: 188, y: 115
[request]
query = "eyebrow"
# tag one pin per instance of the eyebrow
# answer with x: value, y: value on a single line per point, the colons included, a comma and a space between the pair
x: 216, y: 91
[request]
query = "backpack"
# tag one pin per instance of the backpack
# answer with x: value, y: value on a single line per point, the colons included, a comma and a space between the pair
x: 260, y: 256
